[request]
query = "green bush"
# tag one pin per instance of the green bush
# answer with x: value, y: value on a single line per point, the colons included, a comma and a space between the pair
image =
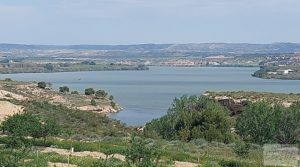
x: 89, y: 91
x: 42, y: 85
x: 262, y: 123
x: 20, y: 126
x: 8, y: 79
x: 242, y: 149
x: 193, y: 118
x: 93, y: 102
x: 75, y: 92
x: 101, y: 93
x: 75, y: 123
x: 64, y: 89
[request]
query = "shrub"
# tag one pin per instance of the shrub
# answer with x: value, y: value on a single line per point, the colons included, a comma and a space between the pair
x: 242, y: 149
x: 193, y: 118
x: 262, y: 123
x: 142, y: 154
x: 20, y: 126
x: 75, y: 92
x: 93, y: 102
x: 89, y: 91
x: 64, y: 89
x: 42, y: 85
x: 101, y: 93
x: 8, y: 79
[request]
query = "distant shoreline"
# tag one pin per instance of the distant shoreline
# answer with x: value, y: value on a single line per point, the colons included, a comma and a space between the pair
x: 278, y: 72
x: 19, y: 68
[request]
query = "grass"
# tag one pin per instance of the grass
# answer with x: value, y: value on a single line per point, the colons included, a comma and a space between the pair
x: 176, y: 151
x: 78, y: 124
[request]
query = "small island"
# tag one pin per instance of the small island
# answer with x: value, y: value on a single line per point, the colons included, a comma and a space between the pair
x: 278, y: 72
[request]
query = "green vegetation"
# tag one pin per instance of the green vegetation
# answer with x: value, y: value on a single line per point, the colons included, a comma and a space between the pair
x: 78, y: 124
x: 93, y: 102
x: 142, y: 155
x: 89, y: 91
x: 277, y: 72
x: 111, y: 97
x: 42, y: 85
x: 263, y: 123
x: 49, y: 67
x: 195, y: 129
x: 101, y: 94
x: 75, y: 92
x: 20, y: 126
x: 192, y: 118
x: 242, y: 149
x: 88, y: 62
x: 64, y: 89
x: 29, y: 67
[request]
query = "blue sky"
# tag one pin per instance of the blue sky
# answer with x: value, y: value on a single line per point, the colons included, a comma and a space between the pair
x: 148, y: 21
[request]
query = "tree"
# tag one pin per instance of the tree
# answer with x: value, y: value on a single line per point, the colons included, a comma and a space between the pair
x: 141, y: 154
x: 42, y: 85
x: 111, y: 97
x: 287, y: 124
x: 89, y: 91
x: 191, y: 118
x: 49, y: 128
x: 64, y: 89
x: 262, y: 123
x: 20, y: 126
x: 113, y: 104
x: 256, y: 124
x: 100, y: 94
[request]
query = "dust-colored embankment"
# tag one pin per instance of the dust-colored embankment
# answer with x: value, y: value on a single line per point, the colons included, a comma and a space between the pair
x: 8, y: 109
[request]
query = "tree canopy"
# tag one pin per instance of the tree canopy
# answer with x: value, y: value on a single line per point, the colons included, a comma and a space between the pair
x: 262, y: 123
x: 89, y: 91
x: 191, y: 118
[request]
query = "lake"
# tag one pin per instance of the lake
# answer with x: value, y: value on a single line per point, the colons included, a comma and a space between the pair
x: 145, y: 95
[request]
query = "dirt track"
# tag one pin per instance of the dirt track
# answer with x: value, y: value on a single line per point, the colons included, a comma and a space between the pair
x: 100, y: 155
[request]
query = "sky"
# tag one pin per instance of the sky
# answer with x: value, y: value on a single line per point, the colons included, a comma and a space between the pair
x: 66, y: 22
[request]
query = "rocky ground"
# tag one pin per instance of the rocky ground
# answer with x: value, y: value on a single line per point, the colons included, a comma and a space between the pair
x: 11, y: 91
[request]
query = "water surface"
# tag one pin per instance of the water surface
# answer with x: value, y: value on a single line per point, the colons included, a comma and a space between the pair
x: 145, y: 95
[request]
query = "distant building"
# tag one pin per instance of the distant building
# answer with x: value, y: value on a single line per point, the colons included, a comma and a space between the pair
x: 285, y: 72
x: 272, y: 73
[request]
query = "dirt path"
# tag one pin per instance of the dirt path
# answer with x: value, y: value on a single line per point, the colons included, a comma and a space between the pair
x: 79, y: 154
x: 51, y: 164
x: 184, y: 164
x: 100, y: 155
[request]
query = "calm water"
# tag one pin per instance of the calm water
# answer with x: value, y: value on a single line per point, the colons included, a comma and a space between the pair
x: 145, y: 95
